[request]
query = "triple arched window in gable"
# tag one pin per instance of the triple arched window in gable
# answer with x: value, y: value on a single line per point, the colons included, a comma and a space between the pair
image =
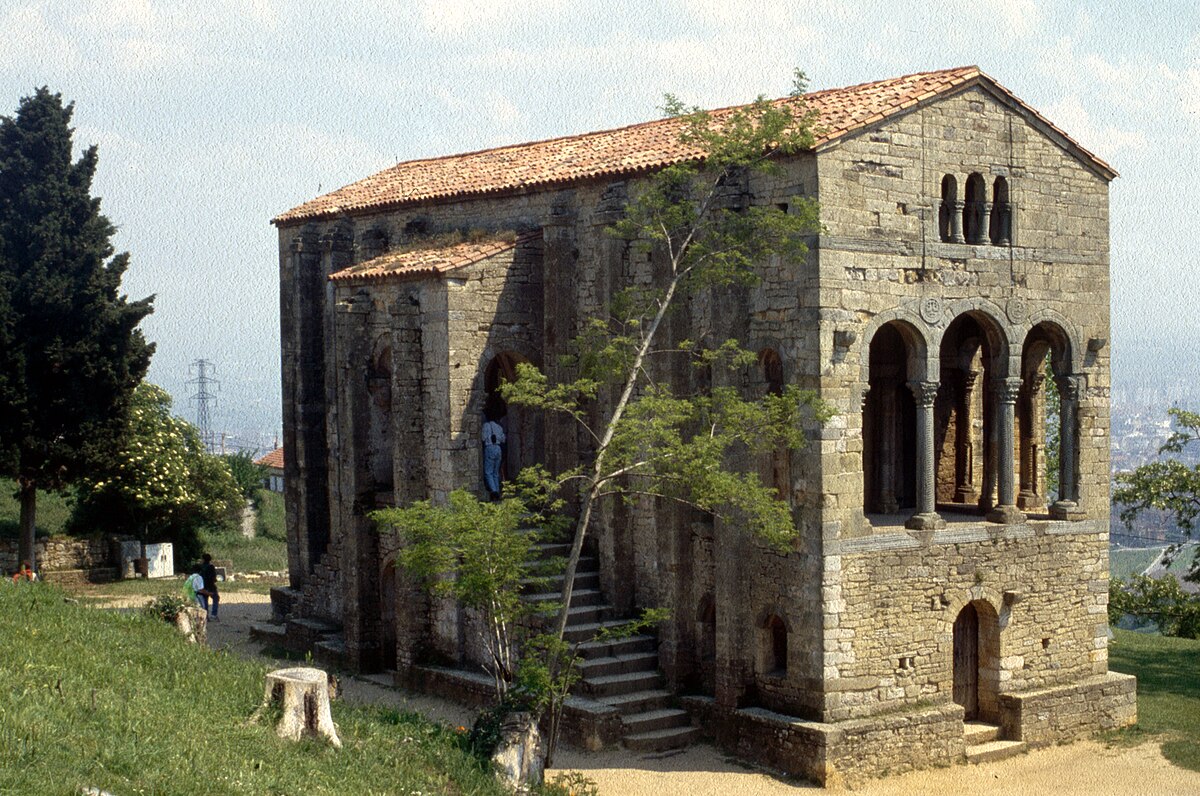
x: 975, y: 218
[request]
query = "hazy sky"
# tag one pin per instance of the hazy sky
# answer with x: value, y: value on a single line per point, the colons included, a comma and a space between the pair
x: 213, y: 117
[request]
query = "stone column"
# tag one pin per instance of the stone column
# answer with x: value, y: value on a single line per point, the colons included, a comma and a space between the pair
x: 965, y: 490
x: 956, y: 209
x: 1006, y: 392
x: 1029, y: 496
x: 1067, y: 506
x: 886, y: 456
x: 926, y: 518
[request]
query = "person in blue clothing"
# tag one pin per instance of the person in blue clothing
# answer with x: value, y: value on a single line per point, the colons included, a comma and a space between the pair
x: 209, y: 596
x: 493, y: 455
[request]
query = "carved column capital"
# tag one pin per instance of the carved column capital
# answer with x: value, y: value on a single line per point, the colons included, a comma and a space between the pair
x: 1069, y: 387
x: 924, y: 392
x: 1007, y: 390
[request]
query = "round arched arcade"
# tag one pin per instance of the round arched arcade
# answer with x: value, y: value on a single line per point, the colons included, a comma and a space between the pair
x: 955, y: 414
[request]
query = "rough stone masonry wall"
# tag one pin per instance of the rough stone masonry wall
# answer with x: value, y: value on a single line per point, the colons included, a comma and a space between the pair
x: 1047, y: 582
x: 882, y: 257
x: 57, y: 553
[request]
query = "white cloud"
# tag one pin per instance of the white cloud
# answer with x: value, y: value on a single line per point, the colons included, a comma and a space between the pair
x: 31, y: 42
x: 1107, y: 141
x: 455, y: 17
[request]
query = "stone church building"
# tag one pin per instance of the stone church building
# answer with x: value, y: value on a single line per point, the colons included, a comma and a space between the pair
x: 944, y: 600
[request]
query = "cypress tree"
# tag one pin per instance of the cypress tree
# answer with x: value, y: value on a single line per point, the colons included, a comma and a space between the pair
x: 70, y: 350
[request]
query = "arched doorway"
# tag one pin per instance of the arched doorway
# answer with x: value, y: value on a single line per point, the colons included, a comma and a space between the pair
x: 976, y: 661
x: 1047, y: 437
x: 522, y: 446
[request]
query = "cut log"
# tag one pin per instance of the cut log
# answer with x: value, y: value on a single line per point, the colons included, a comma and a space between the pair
x: 303, y: 693
x: 192, y: 622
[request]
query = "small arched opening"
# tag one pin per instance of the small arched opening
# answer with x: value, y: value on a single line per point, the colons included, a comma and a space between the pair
x: 706, y: 644
x: 948, y: 222
x: 975, y: 209
x: 380, y: 438
x: 1000, y: 223
x: 387, y: 616
x: 777, y: 467
x: 773, y: 652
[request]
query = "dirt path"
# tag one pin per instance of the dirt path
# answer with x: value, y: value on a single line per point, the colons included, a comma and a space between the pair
x: 1081, y: 769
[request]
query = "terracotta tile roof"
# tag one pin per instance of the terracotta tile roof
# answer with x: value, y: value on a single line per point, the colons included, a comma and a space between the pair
x: 432, y: 259
x: 274, y: 459
x: 633, y: 149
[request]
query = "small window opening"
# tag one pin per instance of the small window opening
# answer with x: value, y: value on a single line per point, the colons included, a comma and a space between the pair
x: 1000, y: 223
x: 777, y: 638
x: 947, y: 212
x: 974, y: 209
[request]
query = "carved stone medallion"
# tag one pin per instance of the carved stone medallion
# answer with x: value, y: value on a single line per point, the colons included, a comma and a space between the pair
x: 1017, y: 311
x: 931, y: 310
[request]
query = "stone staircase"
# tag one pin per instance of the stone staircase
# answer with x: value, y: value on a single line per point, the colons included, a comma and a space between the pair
x: 984, y: 744
x: 323, y: 638
x: 622, y: 673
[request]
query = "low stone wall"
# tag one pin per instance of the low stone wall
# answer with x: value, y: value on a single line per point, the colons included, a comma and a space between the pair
x: 1069, y: 712
x: 845, y: 753
x: 59, y: 553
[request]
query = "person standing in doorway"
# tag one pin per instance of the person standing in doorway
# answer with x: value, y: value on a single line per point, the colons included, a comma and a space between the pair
x: 210, y: 597
x: 493, y: 453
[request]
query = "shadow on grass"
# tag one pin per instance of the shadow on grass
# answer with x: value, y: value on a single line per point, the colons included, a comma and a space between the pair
x: 1168, y: 673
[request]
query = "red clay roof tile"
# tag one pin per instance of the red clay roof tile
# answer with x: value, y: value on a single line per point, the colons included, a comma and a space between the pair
x: 274, y: 459
x: 632, y: 149
x: 426, y: 261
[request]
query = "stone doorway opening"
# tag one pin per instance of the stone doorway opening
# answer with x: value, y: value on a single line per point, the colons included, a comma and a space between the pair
x: 522, y: 428
x: 976, y: 662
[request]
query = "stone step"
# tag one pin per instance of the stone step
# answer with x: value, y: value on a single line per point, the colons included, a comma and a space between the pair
x: 619, y: 664
x: 979, y: 732
x: 616, y: 684
x: 661, y: 740
x: 330, y: 651
x: 638, y: 701
x: 578, y: 597
x: 995, y: 750
x: 269, y: 633
x: 553, y: 549
x: 651, y: 720
x: 629, y: 645
x: 587, y: 614
x: 553, y: 583
x: 586, y: 631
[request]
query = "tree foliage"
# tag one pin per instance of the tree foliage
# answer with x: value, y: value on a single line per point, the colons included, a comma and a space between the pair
x: 70, y: 350
x: 647, y: 438
x: 480, y: 554
x: 1168, y: 484
x: 160, y: 482
x: 1159, y: 600
x: 248, y: 475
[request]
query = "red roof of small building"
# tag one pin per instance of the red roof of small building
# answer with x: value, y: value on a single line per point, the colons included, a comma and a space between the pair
x: 429, y: 260
x: 638, y: 148
x: 274, y: 459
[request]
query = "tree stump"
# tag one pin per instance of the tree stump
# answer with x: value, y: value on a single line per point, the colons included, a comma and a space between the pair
x: 303, y: 692
x: 520, y: 756
x: 192, y: 622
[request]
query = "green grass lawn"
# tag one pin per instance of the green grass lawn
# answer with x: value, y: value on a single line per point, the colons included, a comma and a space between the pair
x: 1168, y: 673
x: 53, y: 511
x: 119, y: 702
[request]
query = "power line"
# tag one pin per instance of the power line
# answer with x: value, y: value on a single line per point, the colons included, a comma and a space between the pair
x: 204, y: 400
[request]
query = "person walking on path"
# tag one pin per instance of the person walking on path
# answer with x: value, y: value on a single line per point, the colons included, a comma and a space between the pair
x: 209, y: 594
x: 493, y: 439
x: 192, y: 586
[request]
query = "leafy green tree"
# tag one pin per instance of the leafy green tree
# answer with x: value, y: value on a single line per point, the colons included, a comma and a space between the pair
x: 649, y: 439
x: 480, y: 554
x: 249, y: 476
x: 1168, y: 484
x: 70, y: 350
x: 1159, y: 600
x: 160, y: 481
